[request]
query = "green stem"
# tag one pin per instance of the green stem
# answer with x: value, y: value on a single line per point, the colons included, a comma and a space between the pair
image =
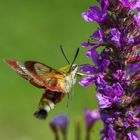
x: 78, y: 130
x: 64, y: 136
x: 88, y: 134
x: 56, y: 136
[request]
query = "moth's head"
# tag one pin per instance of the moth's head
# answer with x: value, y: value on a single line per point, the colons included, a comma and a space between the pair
x: 74, y: 68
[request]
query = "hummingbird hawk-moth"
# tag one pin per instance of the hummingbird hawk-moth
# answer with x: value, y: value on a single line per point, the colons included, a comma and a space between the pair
x: 55, y: 82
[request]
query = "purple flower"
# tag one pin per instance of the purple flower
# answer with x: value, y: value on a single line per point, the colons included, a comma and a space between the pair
x: 88, y: 69
x: 115, y: 37
x: 100, y: 80
x: 101, y: 63
x: 95, y: 14
x: 111, y: 133
x: 95, y: 57
x: 137, y: 18
x: 110, y: 96
x: 119, y: 74
x: 131, y: 120
x: 104, y: 101
x: 132, y: 4
x: 95, y: 72
x: 115, y: 90
x: 104, y: 4
x: 133, y: 136
x: 91, y: 117
x: 133, y: 72
x: 88, y: 54
x: 60, y: 123
x: 87, y: 44
x: 87, y: 81
x: 99, y: 35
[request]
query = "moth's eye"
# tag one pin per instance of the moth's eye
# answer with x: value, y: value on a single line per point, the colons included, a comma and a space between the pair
x: 74, y: 67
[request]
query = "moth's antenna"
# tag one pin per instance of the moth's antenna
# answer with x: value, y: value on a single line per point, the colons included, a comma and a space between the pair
x: 64, y: 54
x: 74, y: 58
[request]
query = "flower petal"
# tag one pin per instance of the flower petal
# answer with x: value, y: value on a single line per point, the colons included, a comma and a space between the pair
x: 115, y: 37
x: 95, y: 56
x: 94, y: 14
x: 111, y: 133
x: 133, y: 136
x: 104, y: 101
x: 117, y: 89
x: 87, y: 81
x: 88, y: 69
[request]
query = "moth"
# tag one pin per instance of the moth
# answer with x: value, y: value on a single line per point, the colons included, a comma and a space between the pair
x: 56, y: 82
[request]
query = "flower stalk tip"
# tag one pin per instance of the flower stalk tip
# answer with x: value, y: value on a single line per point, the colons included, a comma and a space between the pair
x: 91, y: 118
x: 60, y: 123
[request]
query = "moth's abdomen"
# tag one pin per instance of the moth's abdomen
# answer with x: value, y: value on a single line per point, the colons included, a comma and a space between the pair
x: 54, y: 96
x: 41, y: 114
x: 47, y: 103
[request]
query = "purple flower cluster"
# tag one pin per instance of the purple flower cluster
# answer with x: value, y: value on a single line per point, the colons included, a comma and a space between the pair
x: 116, y: 69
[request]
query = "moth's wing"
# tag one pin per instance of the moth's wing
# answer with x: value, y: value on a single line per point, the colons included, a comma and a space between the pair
x: 52, y: 79
x: 13, y: 64
x: 23, y: 72
x: 39, y: 74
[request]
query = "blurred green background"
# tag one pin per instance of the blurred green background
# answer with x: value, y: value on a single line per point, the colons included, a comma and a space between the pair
x: 34, y: 30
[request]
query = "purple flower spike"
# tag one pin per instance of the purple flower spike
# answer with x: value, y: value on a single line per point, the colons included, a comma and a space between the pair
x: 115, y: 69
x: 60, y: 123
x: 91, y: 117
